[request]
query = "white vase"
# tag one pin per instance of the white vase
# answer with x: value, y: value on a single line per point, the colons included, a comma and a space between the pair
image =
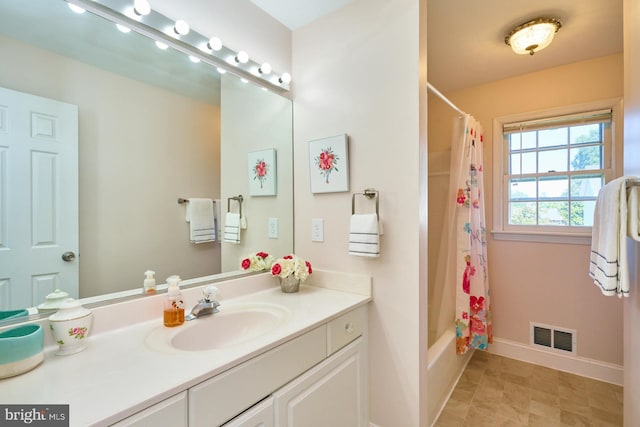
x: 289, y: 284
x: 71, y: 326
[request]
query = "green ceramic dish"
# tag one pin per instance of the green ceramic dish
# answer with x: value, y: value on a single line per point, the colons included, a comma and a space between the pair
x: 12, y: 314
x: 21, y: 349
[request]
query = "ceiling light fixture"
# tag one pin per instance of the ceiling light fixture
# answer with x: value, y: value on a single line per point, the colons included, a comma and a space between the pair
x: 532, y: 36
x: 161, y: 45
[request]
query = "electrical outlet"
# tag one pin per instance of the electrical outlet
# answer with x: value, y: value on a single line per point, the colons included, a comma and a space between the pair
x: 317, y: 230
x: 273, y: 228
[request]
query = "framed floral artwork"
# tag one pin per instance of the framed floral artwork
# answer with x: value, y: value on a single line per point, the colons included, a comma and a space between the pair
x: 262, y: 172
x: 329, y: 164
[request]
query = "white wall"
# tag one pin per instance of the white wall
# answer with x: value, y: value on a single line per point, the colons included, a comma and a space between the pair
x: 265, y: 122
x: 632, y: 167
x: 359, y: 71
x: 140, y: 148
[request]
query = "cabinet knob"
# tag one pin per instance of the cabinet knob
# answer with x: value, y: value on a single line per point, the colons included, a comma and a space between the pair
x: 348, y: 327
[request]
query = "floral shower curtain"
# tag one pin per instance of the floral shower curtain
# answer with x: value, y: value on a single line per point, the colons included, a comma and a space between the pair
x: 473, y: 314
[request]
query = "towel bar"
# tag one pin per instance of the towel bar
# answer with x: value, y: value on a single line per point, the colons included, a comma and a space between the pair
x: 369, y: 193
x: 182, y: 201
x: 238, y: 199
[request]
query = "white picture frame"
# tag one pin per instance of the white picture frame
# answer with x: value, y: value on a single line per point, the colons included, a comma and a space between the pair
x: 329, y: 164
x: 262, y: 172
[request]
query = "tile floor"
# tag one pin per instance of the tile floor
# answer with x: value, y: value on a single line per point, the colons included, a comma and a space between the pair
x: 497, y: 391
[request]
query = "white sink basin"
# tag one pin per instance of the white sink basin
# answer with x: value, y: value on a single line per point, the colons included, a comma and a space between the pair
x: 233, y: 325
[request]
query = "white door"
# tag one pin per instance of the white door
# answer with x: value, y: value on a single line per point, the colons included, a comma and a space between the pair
x: 260, y: 415
x: 38, y: 198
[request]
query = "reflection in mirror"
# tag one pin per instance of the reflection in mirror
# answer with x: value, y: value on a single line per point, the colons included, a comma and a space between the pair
x: 148, y: 133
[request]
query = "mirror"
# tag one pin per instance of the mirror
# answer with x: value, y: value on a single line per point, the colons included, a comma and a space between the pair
x: 153, y: 127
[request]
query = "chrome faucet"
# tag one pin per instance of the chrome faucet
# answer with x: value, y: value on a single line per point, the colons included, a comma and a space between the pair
x: 207, y: 305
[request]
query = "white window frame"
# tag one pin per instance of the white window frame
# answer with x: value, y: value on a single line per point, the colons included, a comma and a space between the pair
x: 581, y: 235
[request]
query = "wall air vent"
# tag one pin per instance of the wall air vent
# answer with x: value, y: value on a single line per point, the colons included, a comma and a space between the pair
x: 553, y: 338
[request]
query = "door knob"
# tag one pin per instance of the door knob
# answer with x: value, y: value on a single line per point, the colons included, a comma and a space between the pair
x: 68, y: 256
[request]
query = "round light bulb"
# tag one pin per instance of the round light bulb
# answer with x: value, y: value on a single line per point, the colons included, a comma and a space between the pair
x: 265, y: 68
x: 242, y: 57
x: 123, y: 28
x: 76, y: 9
x: 243, y: 80
x: 141, y: 7
x: 181, y: 27
x: 194, y: 59
x: 214, y: 43
x: 161, y: 45
x: 285, y: 78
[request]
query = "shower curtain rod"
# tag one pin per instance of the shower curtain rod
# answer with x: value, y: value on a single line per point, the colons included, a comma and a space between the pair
x: 444, y: 98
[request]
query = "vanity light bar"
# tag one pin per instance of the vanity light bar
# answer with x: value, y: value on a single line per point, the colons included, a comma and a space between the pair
x: 166, y: 32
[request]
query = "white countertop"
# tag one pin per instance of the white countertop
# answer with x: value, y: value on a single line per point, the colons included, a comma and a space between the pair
x: 119, y: 374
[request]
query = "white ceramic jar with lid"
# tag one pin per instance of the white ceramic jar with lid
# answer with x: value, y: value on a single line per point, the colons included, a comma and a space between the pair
x: 71, y: 326
x: 53, y: 300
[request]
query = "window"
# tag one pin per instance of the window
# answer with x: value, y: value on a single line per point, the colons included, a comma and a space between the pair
x: 549, y: 172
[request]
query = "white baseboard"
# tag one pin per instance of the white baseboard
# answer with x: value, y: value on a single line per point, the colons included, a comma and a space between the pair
x: 582, y: 366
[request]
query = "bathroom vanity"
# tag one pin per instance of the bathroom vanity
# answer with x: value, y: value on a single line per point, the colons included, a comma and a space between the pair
x: 287, y: 359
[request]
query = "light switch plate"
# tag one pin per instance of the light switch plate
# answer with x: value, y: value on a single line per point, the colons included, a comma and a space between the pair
x: 273, y: 228
x: 317, y: 230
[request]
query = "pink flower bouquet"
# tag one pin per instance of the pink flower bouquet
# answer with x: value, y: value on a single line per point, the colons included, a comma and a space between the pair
x: 291, y: 265
x: 257, y: 262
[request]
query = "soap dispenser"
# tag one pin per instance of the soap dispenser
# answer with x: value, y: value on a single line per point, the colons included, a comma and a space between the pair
x: 174, y: 303
x: 149, y: 282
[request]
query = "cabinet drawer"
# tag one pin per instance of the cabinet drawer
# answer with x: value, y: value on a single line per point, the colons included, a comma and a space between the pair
x: 344, y: 329
x: 219, y: 399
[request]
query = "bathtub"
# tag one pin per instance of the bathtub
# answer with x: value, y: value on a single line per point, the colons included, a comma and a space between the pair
x: 443, y: 371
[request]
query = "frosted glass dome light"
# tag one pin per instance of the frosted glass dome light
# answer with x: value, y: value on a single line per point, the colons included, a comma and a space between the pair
x: 532, y: 36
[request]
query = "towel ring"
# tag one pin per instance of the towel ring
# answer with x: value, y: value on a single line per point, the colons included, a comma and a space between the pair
x: 369, y: 193
x: 238, y: 199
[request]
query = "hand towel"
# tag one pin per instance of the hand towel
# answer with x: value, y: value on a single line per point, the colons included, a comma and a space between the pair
x: 232, y: 228
x: 202, y: 227
x: 633, y: 214
x: 608, y: 263
x: 364, y: 236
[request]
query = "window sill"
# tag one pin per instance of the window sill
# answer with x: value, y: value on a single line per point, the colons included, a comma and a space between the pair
x: 538, y: 237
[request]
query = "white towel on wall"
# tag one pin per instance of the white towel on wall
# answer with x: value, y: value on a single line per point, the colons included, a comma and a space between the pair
x: 633, y: 216
x: 202, y: 223
x: 364, y: 235
x: 608, y: 263
x: 232, y: 228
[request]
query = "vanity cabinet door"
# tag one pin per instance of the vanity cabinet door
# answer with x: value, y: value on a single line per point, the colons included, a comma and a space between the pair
x: 331, y: 394
x: 260, y: 415
x: 170, y: 412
